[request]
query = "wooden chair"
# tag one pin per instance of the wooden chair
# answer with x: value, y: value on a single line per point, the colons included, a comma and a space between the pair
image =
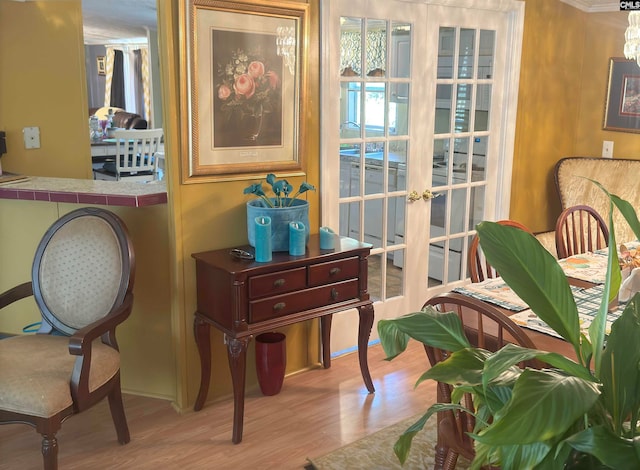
x: 479, y: 267
x: 580, y: 229
x: 135, y: 156
x: 488, y: 328
x: 82, y: 281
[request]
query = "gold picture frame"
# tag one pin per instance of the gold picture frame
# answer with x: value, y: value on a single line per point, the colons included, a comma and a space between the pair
x: 622, y: 105
x: 244, y: 68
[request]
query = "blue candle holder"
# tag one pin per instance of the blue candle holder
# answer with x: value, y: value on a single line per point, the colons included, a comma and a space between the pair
x: 297, y: 239
x: 263, y: 239
x: 327, y: 238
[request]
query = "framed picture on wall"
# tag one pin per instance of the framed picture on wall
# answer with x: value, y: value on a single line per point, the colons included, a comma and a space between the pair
x: 246, y: 66
x: 622, y: 107
x: 101, y: 64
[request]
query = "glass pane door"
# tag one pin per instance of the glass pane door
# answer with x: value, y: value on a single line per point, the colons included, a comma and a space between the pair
x: 374, y: 143
x: 461, y: 139
x: 418, y: 101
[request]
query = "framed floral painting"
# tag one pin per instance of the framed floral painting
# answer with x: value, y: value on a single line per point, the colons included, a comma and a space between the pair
x: 622, y: 107
x: 245, y: 89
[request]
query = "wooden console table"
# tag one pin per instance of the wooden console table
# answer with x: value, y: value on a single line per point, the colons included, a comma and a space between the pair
x: 243, y: 298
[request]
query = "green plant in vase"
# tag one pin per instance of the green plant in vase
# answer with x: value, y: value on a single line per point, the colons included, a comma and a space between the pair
x: 586, y: 411
x: 281, y: 190
x: 284, y: 207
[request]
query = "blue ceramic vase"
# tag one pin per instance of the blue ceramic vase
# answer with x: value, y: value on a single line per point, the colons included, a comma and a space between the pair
x: 280, y: 218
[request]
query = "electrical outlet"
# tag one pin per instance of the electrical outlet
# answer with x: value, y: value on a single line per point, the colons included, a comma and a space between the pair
x: 607, y: 149
x: 31, y: 137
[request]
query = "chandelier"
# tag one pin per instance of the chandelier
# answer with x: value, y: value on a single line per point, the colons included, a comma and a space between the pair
x: 286, y: 46
x: 632, y: 37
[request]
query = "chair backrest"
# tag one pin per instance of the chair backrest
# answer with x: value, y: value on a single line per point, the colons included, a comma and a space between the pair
x: 135, y: 152
x: 479, y: 267
x: 83, y: 267
x: 488, y: 328
x: 580, y: 229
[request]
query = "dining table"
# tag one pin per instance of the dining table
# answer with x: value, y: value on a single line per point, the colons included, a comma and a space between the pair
x: 103, y: 151
x: 586, y: 274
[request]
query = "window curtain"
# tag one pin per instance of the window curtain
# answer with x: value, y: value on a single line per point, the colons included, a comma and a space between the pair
x: 376, y: 47
x: 117, y: 81
x: 127, y: 83
x: 141, y: 82
x: 146, y: 85
x: 108, y: 75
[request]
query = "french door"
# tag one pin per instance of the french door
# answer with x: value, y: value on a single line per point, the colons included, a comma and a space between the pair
x: 419, y: 101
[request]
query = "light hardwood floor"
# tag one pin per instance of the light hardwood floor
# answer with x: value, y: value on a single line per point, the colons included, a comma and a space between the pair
x: 316, y: 412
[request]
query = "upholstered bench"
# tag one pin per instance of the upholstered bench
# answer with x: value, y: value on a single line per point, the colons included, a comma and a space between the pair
x: 618, y: 176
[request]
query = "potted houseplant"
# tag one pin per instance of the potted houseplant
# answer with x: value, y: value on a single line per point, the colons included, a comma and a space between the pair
x: 283, y: 207
x: 586, y: 411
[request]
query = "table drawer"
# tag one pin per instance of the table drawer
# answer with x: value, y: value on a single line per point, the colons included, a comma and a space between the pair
x: 333, y: 271
x: 277, y: 283
x: 281, y: 305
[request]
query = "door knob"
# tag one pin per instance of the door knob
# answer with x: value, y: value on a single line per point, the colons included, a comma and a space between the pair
x: 425, y: 196
x: 413, y: 196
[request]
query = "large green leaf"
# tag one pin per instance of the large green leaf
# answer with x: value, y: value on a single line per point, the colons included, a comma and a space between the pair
x: 625, y: 208
x: 619, y: 373
x: 597, y: 329
x: 547, y: 401
x: 440, y: 330
x: 613, y: 451
x: 524, y: 456
x: 403, y: 444
x: 394, y: 341
x: 612, y: 284
x: 461, y: 367
x: 534, y: 275
x: 512, y: 354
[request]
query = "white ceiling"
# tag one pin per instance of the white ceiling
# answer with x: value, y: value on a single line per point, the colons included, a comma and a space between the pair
x: 108, y: 21
x: 594, y: 6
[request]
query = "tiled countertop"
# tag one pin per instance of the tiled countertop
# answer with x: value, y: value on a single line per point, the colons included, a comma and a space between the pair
x: 107, y: 193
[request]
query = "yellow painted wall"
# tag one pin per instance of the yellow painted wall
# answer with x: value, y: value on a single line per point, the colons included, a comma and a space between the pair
x: 598, y: 49
x: 43, y: 84
x: 563, y: 81
x: 212, y: 215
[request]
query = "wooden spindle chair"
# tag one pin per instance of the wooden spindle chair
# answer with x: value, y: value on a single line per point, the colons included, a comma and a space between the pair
x: 580, y: 229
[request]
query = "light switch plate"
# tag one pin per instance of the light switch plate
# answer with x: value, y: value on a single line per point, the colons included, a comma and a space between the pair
x: 31, y: 137
x: 607, y: 149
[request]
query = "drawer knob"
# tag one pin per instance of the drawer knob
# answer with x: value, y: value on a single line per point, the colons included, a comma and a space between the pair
x: 278, y: 283
x: 334, y: 271
x: 334, y: 294
x: 279, y: 306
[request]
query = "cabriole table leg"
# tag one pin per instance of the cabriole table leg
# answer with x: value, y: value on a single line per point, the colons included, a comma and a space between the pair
x: 201, y: 332
x: 364, y: 332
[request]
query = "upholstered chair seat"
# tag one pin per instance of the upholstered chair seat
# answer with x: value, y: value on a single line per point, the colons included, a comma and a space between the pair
x: 33, y: 363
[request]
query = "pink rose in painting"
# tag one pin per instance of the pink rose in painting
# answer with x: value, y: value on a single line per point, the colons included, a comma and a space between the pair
x: 274, y: 80
x: 255, y: 69
x: 245, y: 85
x: 224, y: 92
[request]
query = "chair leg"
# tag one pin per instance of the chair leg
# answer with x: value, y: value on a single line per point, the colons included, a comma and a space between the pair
x: 441, y: 454
x: 451, y: 460
x: 117, y: 414
x: 50, y: 451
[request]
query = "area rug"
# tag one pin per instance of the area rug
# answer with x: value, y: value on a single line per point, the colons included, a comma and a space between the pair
x: 375, y: 452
